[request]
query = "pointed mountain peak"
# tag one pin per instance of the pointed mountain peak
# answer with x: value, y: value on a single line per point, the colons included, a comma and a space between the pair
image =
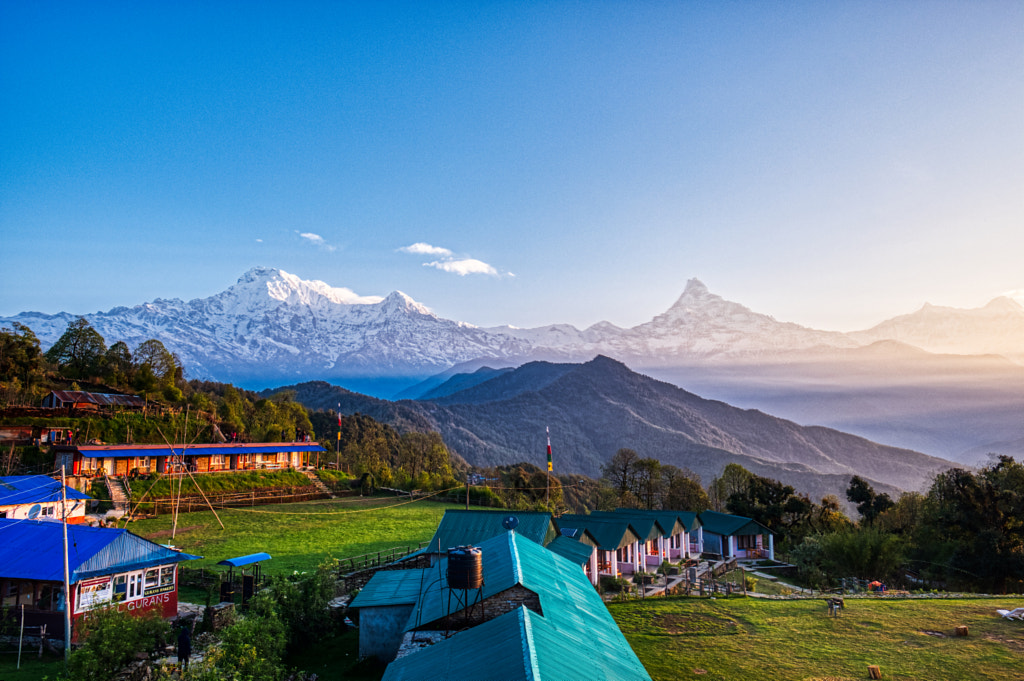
x: 259, y: 274
x: 695, y: 287
x: 397, y: 300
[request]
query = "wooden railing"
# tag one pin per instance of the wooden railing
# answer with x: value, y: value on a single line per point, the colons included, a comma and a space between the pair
x: 378, y: 559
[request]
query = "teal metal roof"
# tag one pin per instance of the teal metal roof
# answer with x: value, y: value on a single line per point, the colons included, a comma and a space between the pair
x: 610, y: 533
x: 393, y: 587
x: 647, y: 526
x: 464, y: 528
x: 573, y: 637
x: 576, y: 551
x: 728, y: 525
x: 524, y: 646
x: 673, y: 521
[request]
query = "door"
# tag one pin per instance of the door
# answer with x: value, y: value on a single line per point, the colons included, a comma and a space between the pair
x: 134, y: 585
x: 121, y: 466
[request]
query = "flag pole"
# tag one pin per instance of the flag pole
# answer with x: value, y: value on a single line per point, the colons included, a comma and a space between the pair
x: 547, y: 495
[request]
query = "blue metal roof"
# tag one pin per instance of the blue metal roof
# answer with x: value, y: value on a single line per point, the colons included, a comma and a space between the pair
x: 31, y: 549
x: 94, y: 451
x: 245, y: 560
x: 33, y: 489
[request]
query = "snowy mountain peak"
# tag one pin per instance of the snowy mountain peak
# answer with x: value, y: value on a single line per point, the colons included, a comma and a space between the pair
x: 398, y: 301
x: 287, y: 288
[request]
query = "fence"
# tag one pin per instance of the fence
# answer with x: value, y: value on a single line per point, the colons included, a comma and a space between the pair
x: 378, y: 559
x: 187, y: 504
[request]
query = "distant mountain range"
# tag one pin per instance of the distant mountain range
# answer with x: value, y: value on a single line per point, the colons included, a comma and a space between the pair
x: 273, y: 327
x: 595, y: 408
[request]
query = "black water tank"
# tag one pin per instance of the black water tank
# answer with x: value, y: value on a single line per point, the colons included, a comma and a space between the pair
x: 465, y: 568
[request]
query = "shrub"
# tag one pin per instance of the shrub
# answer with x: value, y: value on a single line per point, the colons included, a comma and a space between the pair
x: 110, y: 639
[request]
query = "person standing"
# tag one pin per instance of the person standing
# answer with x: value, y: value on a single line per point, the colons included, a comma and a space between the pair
x: 184, y: 647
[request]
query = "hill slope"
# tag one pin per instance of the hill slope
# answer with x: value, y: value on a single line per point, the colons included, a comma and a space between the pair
x: 593, y: 409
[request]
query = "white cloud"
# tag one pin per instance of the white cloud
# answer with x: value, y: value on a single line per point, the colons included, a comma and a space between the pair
x: 259, y: 241
x: 463, y: 267
x: 316, y: 240
x: 420, y: 248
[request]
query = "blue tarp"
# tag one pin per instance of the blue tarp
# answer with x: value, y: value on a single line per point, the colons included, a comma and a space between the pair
x: 33, y: 489
x: 31, y: 549
x: 245, y: 560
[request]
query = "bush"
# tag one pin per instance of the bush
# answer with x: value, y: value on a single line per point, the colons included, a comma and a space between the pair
x: 110, y: 639
x: 614, y: 584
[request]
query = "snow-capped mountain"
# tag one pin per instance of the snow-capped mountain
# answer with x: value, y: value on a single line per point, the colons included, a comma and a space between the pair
x: 996, y: 328
x: 272, y: 325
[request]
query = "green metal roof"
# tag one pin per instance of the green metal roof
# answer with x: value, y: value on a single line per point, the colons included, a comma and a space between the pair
x: 728, y: 525
x: 647, y: 526
x: 464, y: 528
x: 610, y: 533
x: 576, y: 551
x: 574, y: 636
x: 680, y: 521
x: 392, y: 587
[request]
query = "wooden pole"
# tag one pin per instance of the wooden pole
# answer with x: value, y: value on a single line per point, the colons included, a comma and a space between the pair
x: 67, y: 573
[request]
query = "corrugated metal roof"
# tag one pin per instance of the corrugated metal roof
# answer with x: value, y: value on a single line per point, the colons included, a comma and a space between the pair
x: 245, y: 560
x: 101, y: 399
x: 729, y: 525
x: 647, y: 526
x: 393, y: 587
x: 464, y: 528
x: 573, y: 638
x: 33, y: 489
x: 34, y: 550
x: 198, y: 450
x: 610, y: 533
x: 491, y: 650
x: 675, y: 521
x: 570, y: 549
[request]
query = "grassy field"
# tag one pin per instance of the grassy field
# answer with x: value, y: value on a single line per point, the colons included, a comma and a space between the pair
x: 753, y: 639
x: 299, y: 536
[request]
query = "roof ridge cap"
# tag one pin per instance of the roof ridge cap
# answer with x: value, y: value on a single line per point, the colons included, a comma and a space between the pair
x: 532, y: 667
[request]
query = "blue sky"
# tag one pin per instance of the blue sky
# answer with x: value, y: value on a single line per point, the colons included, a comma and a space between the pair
x: 829, y: 163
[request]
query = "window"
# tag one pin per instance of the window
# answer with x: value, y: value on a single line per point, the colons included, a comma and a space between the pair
x: 746, y: 541
x: 152, y: 578
x: 167, y: 576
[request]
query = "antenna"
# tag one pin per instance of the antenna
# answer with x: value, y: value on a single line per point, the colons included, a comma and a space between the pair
x: 33, y: 512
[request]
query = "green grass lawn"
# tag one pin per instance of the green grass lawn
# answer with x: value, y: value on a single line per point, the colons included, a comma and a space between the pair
x: 299, y: 536
x: 752, y: 639
x: 32, y: 668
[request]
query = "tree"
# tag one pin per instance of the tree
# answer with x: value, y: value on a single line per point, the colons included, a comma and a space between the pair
x: 159, y: 359
x: 869, y: 503
x: 79, y: 350
x: 117, y: 363
x: 974, y: 524
x: 621, y: 470
x: 734, y: 479
x: 683, y: 490
x: 648, y: 483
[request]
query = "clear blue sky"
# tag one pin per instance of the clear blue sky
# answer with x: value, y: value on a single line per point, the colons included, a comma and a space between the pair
x: 829, y: 163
